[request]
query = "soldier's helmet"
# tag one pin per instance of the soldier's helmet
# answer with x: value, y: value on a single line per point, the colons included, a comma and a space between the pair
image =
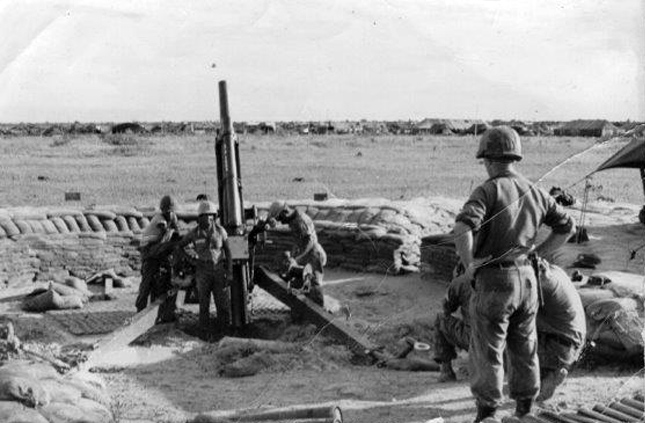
x: 206, y: 207
x: 277, y: 207
x: 168, y: 203
x: 500, y: 143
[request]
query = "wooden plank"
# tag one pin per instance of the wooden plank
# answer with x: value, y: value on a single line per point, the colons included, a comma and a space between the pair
x: 623, y: 408
x: 598, y: 416
x: 135, y: 327
x: 311, y: 311
x: 614, y: 413
x: 636, y: 405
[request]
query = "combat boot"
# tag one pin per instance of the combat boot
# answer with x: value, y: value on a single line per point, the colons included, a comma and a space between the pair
x: 484, y: 412
x: 550, y: 383
x: 523, y: 407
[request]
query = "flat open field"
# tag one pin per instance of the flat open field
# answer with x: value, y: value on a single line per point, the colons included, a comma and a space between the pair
x: 131, y: 170
x: 137, y: 171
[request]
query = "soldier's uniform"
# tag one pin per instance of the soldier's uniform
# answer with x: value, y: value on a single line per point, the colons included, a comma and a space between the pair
x: 560, y: 324
x: 210, y: 273
x: 303, y: 230
x: 453, y: 332
x: 504, y: 214
x: 155, y: 248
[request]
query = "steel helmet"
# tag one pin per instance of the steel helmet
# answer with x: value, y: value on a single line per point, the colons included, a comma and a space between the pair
x: 500, y: 142
x: 206, y: 207
x: 167, y: 203
x: 276, y: 208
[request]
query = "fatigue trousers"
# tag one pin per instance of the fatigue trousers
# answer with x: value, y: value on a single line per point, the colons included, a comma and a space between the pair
x: 503, y: 309
x: 556, y: 353
x: 317, y: 258
x: 450, y: 333
x: 156, y: 280
x: 211, y: 281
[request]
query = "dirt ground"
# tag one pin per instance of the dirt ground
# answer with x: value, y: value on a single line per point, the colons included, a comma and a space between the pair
x: 385, y: 308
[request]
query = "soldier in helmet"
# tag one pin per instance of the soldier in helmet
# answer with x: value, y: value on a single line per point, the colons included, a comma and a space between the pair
x: 214, y: 266
x: 494, y: 233
x: 307, y: 248
x: 157, y: 244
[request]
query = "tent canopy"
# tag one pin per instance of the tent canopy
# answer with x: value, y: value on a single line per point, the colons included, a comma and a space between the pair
x: 632, y: 156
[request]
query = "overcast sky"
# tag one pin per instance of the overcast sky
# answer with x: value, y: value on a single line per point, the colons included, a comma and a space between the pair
x: 119, y: 60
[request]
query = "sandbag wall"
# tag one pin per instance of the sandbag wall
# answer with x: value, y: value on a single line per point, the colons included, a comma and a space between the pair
x: 363, y: 235
x: 40, y: 244
x: 439, y: 255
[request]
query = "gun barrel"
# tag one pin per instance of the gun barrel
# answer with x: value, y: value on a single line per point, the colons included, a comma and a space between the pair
x: 231, y: 208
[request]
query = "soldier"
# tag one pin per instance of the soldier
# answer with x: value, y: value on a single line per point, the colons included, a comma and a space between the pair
x: 560, y: 323
x: 561, y: 327
x: 156, y: 247
x: 307, y: 248
x: 505, y: 213
x: 213, y: 265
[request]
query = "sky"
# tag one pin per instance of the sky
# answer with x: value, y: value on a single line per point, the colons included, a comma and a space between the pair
x: 144, y: 60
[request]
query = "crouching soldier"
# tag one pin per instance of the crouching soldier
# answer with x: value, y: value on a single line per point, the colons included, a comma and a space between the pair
x: 561, y: 327
x: 451, y: 332
x: 213, y: 266
x: 157, y: 244
x: 307, y: 249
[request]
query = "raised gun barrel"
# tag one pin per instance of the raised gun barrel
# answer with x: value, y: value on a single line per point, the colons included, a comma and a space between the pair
x: 232, y: 215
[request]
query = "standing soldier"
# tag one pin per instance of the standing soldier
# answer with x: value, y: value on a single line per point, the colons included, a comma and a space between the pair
x: 505, y: 213
x: 156, y: 246
x: 214, y: 266
x: 307, y: 249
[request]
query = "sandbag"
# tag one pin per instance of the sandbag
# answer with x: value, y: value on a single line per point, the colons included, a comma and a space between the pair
x: 35, y: 370
x: 15, y: 412
x: 9, y: 227
x: 26, y: 390
x: 58, y: 412
x: 65, y: 290
x: 71, y: 223
x: 94, y: 222
x: 61, y: 392
x: 100, y: 214
x: 36, y: 226
x: 143, y: 222
x: 23, y: 226
x: 134, y: 225
x: 40, y: 300
x: 78, y: 284
x: 60, y: 225
x: 68, y: 302
x: 621, y: 316
x: 121, y: 224
x: 81, y: 220
x: 109, y: 225
x: 49, y: 226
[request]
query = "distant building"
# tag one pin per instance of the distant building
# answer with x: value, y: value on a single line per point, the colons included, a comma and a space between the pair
x: 587, y: 128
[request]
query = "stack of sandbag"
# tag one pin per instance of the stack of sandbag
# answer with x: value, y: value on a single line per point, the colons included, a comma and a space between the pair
x: 613, y: 303
x: 72, y: 295
x: 439, y: 255
x: 34, y: 392
x: 374, y: 235
x: 361, y: 248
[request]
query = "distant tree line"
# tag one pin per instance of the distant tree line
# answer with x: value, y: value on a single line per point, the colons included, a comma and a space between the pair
x: 589, y: 128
